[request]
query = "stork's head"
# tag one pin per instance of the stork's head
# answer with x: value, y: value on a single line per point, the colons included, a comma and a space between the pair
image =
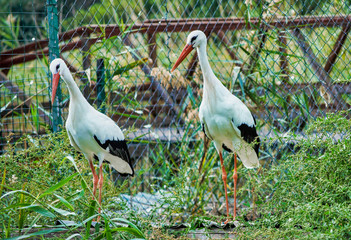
x: 57, y: 67
x: 194, y: 40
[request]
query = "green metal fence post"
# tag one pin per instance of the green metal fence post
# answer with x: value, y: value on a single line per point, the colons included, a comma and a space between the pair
x: 100, y: 85
x: 54, y: 52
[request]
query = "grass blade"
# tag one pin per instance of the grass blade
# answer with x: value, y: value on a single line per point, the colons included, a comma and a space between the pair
x: 65, y: 202
x: 18, y: 191
x: 58, y: 185
x: 108, y: 230
x: 121, y: 229
x: 90, y: 214
x: 139, y: 233
x: 39, y: 233
x: 3, y: 181
x: 62, y: 212
x: 39, y: 209
x: 130, y: 66
x: 21, y: 215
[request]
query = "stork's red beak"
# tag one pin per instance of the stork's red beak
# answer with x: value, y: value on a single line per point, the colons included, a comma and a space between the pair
x: 187, y: 49
x: 55, y: 81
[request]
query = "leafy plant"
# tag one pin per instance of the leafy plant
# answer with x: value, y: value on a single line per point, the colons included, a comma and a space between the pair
x: 308, y: 193
x: 10, y: 32
x: 57, y: 191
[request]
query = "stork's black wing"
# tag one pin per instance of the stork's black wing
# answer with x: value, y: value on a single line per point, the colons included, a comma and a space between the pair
x: 117, y: 148
x: 249, y: 134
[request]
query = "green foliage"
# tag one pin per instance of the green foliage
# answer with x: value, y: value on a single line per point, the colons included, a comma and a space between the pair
x: 306, y: 7
x: 309, y: 191
x: 9, y: 35
x: 53, y: 186
x: 302, y: 195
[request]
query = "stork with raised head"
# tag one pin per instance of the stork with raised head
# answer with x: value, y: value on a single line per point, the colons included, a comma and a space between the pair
x: 225, y: 119
x: 91, y: 132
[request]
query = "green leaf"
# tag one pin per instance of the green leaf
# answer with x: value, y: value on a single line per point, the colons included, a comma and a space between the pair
x: 39, y: 233
x: 18, y: 191
x: 130, y: 230
x: 282, y: 53
x: 58, y: 185
x: 39, y: 209
x: 62, y: 212
x: 89, y: 219
x: 122, y: 229
x: 90, y: 214
x: 242, y: 85
x: 3, y: 181
x: 130, y: 66
x: 84, y: 185
x: 21, y: 215
x: 16, y: 206
x: 69, y: 157
x: 7, y: 229
x: 140, y: 234
x: 129, y: 115
x: 108, y: 230
x: 65, y: 202
x: 35, y: 115
x: 79, y: 194
x: 17, y: 30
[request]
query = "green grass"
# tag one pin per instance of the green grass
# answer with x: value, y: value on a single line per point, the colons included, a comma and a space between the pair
x: 307, y: 195
x: 304, y: 195
x: 300, y: 195
x: 47, y: 182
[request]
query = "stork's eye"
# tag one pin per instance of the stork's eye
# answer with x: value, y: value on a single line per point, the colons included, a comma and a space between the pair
x: 57, y: 67
x: 193, y: 39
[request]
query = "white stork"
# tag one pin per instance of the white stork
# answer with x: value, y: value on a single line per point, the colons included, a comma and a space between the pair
x: 225, y: 119
x: 91, y: 132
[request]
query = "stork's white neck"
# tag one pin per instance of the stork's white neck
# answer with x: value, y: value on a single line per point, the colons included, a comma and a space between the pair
x: 212, y: 86
x: 74, y: 92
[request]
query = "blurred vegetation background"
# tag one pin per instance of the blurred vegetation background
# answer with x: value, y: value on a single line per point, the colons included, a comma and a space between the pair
x: 32, y: 14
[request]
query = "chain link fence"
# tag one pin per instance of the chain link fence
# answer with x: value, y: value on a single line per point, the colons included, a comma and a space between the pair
x: 287, y: 60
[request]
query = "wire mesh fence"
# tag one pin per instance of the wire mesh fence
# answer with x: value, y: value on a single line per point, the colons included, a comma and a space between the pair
x: 286, y: 60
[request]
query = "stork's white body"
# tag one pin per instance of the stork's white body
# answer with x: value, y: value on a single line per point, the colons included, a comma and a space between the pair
x: 224, y: 118
x: 91, y: 132
x: 83, y: 123
x: 86, y: 126
x: 223, y: 131
x: 221, y: 113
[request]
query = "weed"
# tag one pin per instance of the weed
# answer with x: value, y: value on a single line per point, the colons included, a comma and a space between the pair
x: 309, y: 190
x: 54, y: 187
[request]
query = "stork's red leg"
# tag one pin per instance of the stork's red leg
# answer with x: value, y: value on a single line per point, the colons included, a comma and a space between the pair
x: 224, y: 177
x: 95, y: 178
x: 101, y: 180
x: 235, y: 177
